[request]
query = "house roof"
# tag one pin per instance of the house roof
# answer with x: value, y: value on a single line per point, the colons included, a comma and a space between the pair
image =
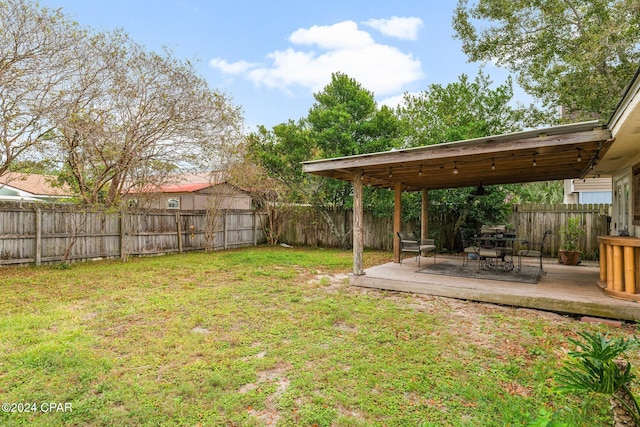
x: 625, y: 129
x: 38, y: 185
x: 553, y: 153
x: 186, y: 183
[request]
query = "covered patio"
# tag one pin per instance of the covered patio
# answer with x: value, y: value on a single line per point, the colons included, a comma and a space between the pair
x: 555, y: 153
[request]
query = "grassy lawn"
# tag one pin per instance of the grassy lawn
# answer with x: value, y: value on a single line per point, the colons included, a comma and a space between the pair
x: 266, y: 336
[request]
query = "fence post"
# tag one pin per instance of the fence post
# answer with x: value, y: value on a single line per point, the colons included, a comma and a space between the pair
x: 121, y: 243
x: 224, y: 229
x: 179, y: 231
x: 255, y: 229
x: 38, y: 253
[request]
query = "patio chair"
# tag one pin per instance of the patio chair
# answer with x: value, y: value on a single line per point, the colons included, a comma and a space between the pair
x: 486, y: 254
x: 533, y: 250
x: 409, y: 242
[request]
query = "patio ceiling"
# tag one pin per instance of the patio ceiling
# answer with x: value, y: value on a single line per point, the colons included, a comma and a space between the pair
x: 560, y: 152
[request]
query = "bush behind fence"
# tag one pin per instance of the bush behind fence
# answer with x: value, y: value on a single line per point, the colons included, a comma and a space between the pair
x: 530, y: 221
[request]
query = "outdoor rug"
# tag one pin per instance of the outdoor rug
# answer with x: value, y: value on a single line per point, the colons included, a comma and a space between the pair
x: 528, y: 274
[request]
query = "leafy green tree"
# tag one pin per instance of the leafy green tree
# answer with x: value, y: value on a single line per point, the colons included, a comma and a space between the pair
x: 577, y: 54
x: 343, y: 121
x: 463, y: 110
x: 549, y: 192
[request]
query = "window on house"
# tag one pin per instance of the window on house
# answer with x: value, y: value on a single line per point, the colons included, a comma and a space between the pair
x: 173, y: 204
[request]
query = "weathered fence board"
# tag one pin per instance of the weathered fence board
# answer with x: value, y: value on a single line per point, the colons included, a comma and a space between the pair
x: 36, y: 233
x: 529, y: 221
x: 532, y: 221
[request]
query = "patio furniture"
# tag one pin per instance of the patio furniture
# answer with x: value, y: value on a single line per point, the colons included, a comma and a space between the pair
x: 501, y: 239
x: 409, y: 242
x: 533, y: 250
x: 485, y: 255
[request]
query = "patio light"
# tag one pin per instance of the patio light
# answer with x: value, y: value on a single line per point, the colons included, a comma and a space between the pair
x: 455, y: 168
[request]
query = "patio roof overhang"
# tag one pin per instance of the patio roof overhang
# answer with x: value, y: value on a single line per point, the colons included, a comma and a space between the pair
x: 554, y: 153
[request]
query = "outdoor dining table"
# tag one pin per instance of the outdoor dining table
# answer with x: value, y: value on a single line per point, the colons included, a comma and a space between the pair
x: 504, y: 246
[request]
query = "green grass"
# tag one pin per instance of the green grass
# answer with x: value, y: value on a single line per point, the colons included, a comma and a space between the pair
x: 254, y: 336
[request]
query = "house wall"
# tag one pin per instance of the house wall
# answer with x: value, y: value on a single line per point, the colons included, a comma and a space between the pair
x: 590, y: 190
x: 224, y: 197
x: 622, y: 208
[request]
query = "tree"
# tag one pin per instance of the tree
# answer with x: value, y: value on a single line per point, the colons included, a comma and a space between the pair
x: 343, y: 121
x: 577, y: 54
x: 133, y: 117
x: 36, y: 46
x: 549, y: 192
x: 463, y: 110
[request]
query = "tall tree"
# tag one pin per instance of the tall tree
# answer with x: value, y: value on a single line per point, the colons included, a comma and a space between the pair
x: 36, y: 46
x: 578, y: 54
x: 463, y: 110
x: 343, y: 121
x: 133, y: 116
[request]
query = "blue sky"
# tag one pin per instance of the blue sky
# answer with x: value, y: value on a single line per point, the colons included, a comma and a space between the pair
x: 271, y: 56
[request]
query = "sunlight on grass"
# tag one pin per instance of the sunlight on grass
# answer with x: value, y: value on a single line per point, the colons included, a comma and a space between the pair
x: 270, y: 335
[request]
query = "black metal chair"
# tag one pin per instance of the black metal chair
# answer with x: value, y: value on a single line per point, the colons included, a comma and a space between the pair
x: 533, y: 250
x: 409, y: 242
x: 487, y: 254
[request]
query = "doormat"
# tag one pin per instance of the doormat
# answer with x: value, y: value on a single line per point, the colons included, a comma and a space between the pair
x: 528, y: 274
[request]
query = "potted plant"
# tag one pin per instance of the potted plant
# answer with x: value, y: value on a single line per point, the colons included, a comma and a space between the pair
x: 572, y: 233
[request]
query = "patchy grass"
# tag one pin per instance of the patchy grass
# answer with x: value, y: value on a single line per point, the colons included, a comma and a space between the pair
x: 268, y: 336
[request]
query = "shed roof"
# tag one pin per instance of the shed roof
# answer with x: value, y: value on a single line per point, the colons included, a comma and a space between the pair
x: 39, y: 185
x: 558, y: 152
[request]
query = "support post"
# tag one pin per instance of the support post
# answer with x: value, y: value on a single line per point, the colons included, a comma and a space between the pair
x: 424, y: 217
x: 397, y: 221
x: 358, y: 231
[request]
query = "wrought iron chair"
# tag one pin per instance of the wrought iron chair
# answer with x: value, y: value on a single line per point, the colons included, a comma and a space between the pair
x: 409, y: 242
x: 533, y: 250
x: 487, y: 255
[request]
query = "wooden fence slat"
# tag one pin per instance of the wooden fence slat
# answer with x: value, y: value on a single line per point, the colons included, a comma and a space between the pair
x: 42, y: 233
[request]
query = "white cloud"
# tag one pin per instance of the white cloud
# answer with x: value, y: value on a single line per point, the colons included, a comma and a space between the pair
x: 238, y: 67
x: 393, y: 101
x: 342, y: 35
x: 401, y: 28
x: 343, y: 47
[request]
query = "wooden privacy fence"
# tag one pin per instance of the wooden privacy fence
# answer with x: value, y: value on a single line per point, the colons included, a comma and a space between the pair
x: 531, y: 221
x: 44, y: 233
x: 311, y: 229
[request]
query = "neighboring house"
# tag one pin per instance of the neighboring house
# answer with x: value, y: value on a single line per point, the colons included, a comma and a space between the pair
x: 592, y: 190
x: 23, y: 187
x: 191, y: 192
